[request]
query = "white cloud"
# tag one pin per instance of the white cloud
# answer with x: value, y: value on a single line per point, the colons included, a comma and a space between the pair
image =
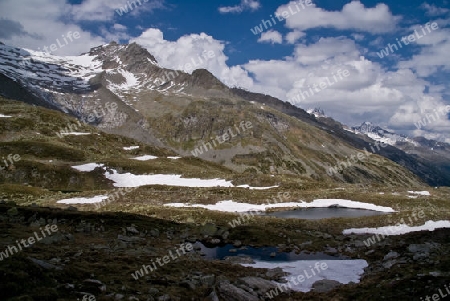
x: 119, y: 27
x: 353, y: 16
x: 271, y: 36
x: 44, y: 23
x: 187, y: 50
x: 433, y: 55
x: 358, y: 37
x: 38, y: 24
x: 294, y: 36
x: 105, y: 10
x: 433, y: 10
x: 251, y: 5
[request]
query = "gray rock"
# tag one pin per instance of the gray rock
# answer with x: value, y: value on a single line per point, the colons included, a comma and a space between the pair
x: 257, y: 284
x: 237, y: 243
x: 276, y: 273
x: 128, y: 238
x: 154, y: 232
x: 54, y: 238
x: 215, y: 241
x: 229, y: 292
x: 188, y: 284
x: 324, y: 286
x: 239, y: 259
x: 391, y: 255
x: 132, y: 230
x: 208, y: 280
x: 212, y: 297
x: 93, y: 286
x: 44, y: 265
x: 389, y: 264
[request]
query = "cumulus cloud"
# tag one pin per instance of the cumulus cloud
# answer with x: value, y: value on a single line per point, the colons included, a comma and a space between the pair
x: 294, y: 36
x: 22, y: 26
x: 188, y: 53
x: 433, y: 10
x: 271, y: 36
x: 251, y: 5
x: 353, y: 15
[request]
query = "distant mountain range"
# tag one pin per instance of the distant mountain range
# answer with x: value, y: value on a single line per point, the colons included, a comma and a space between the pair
x: 122, y: 90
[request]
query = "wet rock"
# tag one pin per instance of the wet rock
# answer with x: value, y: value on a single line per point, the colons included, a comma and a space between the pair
x: 273, y: 254
x: 324, y: 286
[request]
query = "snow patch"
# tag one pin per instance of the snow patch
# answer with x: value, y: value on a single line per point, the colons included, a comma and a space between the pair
x: 92, y: 200
x: 343, y: 271
x: 420, y: 192
x: 131, y: 180
x: 87, y: 167
x: 145, y: 158
x: 399, y: 229
x: 130, y: 147
x: 232, y: 206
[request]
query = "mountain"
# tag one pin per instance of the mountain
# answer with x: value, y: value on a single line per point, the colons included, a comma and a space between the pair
x: 122, y: 90
x: 431, y: 152
x: 379, y: 134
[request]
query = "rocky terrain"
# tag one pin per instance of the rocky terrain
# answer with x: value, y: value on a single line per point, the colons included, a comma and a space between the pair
x: 110, y: 125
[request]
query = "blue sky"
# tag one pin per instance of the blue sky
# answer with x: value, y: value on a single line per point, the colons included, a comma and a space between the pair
x: 300, y: 59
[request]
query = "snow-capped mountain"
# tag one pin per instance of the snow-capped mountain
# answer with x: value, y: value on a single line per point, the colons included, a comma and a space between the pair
x: 170, y: 108
x: 317, y: 112
x: 377, y: 133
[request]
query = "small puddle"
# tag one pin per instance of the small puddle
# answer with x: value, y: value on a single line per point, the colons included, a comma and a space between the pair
x: 264, y: 253
x: 322, y: 213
